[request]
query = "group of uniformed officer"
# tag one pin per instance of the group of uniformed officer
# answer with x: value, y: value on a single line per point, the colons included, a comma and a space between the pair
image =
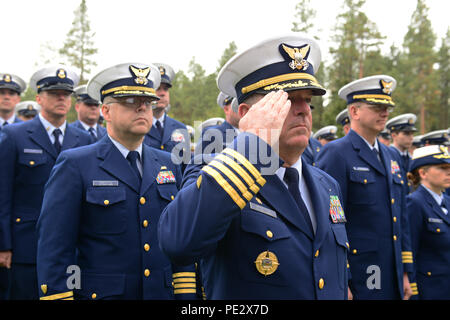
x: 264, y: 209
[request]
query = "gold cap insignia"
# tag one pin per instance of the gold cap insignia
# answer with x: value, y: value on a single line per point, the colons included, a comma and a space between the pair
x: 298, y: 56
x: 30, y: 107
x: 61, y: 73
x: 140, y: 75
x: 387, y: 86
x: 162, y: 70
x: 7, y: 78
x: 266, y: 263
x: 44, y: 288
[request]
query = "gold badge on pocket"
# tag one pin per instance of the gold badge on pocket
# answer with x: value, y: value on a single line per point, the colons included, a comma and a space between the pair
x: 266, y: 263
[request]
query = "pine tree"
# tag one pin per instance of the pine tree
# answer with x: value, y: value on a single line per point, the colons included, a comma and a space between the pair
x: 356, y: 52
x: 444, y: 80
x: 417, y: 82
x: 304, y: 23
x: 227, y: 55
x: 78, y: 47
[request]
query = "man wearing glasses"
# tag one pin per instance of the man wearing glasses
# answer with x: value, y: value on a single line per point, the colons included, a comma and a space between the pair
x: 88, y: 111
x: 102, y: 204
x: 372, y: 190
x: 28, y: 152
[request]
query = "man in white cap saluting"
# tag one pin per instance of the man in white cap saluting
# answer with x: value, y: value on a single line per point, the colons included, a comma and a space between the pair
x: 28, y: 152
x: 11, y: 86
x: 265, y: 226
x: 373, y: 193
x: 102, y: 203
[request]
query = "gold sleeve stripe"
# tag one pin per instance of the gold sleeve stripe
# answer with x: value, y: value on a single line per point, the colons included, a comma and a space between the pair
x: 178, y: 291
x: 57, y: 296
x: 222, y: 168
x: 184, y: 280
x: 183, y: 274
x: 407, y: 253
x: 259, y: 179
x: 405, y: 260
x: 184, y: 285
x: 226, y: 186
x: 236, y: 168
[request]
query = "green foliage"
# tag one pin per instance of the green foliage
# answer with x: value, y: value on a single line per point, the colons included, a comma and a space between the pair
x: 193, y: 97
x: 444, y: 81
x: 417, y: 79
x: 78, y: 47
x: 422, y: 71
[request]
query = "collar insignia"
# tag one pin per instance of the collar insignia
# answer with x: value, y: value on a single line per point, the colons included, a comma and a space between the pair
x: 298, y: 56
x: 140, y: 75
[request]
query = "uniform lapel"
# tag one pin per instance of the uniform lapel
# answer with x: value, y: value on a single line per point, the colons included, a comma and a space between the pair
x: 38, y: 134
x: 71, y: 138
x: 168, y: 128
x: 115, y: 164
x: 150, y: 168
x: 154, y: 134
x: 320, y: 198
x: 436, y: 208
x: 386, y: 159
x: 100, y: 132
x: 277, y: 195
x: 364, y: 152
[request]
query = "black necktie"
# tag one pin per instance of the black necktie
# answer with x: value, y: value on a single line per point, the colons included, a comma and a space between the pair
x: 57, y: 144
x: 159, y: 128
x: 443, y: 206
x: 5, y: 123
x: 377, y: 154
x: 291, y: 177
x: 132, y: 157
x: 406, y: 161
x: 92, y: 132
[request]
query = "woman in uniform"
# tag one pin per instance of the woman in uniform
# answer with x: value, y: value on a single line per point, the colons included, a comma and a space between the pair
x: 428, y: 211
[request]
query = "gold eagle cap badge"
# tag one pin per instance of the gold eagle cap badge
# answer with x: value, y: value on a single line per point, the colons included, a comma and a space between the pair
x: 162, y: 70
x: 298, y: 56
x: 7, y: 78
x: 140, y: 75
x: 387, y: 86
x: 61, y: 73
x: 266, y: 263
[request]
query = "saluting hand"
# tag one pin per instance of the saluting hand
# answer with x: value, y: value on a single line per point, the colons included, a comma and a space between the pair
x: 266, y: 117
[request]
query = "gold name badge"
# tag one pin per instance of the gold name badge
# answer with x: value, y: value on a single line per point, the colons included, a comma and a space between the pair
x: 266, y: 263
